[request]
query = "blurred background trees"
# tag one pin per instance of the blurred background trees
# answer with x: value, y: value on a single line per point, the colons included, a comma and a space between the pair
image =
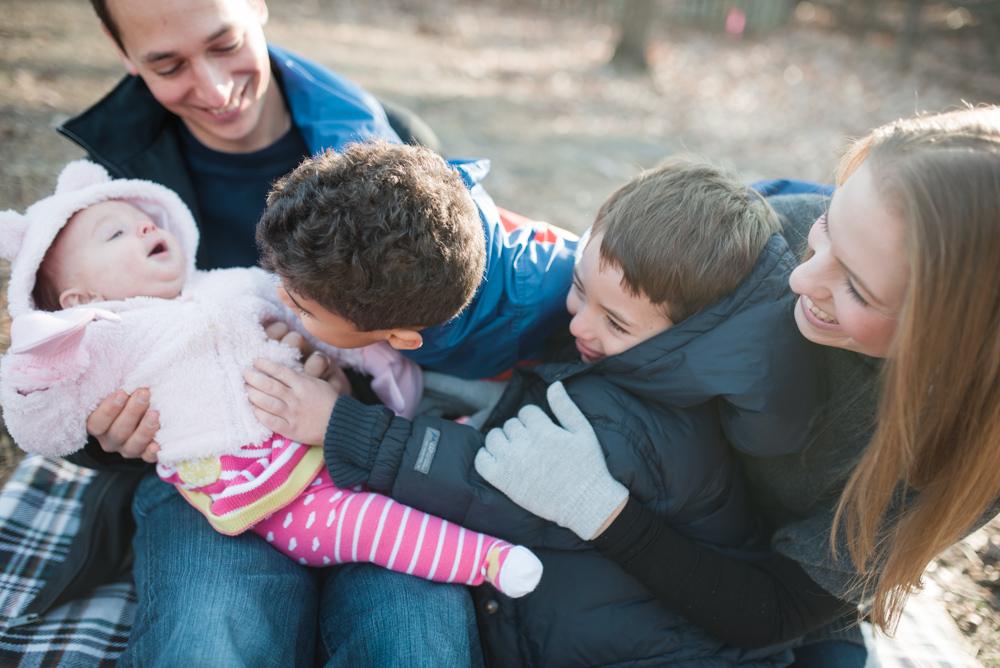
x: 908, y: 22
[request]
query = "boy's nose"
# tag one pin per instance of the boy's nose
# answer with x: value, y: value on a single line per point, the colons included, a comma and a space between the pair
x: 578, y: 326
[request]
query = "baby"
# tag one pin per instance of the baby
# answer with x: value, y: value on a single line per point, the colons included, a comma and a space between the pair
x: 104, y: 295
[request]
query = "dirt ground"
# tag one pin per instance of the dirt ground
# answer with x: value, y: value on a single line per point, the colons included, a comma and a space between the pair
x: 528, y: 88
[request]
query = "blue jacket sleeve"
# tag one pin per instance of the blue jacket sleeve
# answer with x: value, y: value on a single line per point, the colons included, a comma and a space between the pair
x: 428, y: 464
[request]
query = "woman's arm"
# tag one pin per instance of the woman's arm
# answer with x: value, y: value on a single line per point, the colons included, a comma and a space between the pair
x: 743, y: 604
x: 746, y: 605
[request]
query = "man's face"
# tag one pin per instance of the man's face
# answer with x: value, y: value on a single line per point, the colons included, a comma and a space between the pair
x: 205, y: 61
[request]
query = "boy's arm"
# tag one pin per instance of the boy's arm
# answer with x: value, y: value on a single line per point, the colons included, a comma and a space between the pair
x: 428, y: 464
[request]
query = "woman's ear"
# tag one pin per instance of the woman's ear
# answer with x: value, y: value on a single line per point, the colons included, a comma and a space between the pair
x: 405, y: 339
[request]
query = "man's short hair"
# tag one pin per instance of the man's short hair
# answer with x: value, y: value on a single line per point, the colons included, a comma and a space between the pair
x: 104, y: 14
x: 684, y: 234
x: 383, y: 235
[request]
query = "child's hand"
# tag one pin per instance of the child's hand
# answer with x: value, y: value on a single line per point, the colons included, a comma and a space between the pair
x: 316, y: 363
x: 290, y: 403
x: 556, y: 472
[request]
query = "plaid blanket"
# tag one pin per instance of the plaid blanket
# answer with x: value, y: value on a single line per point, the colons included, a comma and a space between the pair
x: 39, y: 515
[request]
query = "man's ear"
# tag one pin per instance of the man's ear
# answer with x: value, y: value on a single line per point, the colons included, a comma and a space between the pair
x: 126, y: 61
x: 405, y: 339
x: 76, y: 297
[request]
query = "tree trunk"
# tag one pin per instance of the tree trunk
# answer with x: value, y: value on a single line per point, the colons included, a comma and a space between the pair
x: 636, y: 22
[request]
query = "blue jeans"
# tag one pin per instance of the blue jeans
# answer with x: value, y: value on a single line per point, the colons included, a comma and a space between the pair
x: 211, y: 600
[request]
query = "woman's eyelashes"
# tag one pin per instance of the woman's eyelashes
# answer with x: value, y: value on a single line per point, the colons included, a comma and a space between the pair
x: 853, y: 291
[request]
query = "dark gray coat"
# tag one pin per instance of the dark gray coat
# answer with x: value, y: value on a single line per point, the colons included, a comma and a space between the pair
x: 663, y: 411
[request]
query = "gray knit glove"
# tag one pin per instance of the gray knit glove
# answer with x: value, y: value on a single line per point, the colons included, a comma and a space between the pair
x: 557, y: 473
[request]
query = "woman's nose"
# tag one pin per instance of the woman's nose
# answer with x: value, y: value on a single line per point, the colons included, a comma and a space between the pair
x: 812, y: 277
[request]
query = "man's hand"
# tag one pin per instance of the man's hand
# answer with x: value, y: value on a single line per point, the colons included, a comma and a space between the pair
x: 557, y: 473
x: 124, y: 424
x: 290, y: 403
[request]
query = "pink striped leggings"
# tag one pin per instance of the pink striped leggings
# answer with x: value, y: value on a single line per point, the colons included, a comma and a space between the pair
x: 327, y: 525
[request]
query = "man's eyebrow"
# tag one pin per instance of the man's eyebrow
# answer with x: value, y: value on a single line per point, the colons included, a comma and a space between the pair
x: 156, y: 56
x: 288, y: 292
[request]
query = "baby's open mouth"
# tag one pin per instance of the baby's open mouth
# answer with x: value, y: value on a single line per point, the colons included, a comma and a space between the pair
x: 160, y: 247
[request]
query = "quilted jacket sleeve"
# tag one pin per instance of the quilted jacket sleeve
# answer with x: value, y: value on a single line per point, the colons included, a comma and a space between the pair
x: 428, y: 463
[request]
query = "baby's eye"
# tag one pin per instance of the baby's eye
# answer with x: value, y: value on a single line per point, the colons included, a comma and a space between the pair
x: 115, y: 235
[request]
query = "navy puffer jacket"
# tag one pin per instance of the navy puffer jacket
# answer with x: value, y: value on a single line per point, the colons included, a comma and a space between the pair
x: 664, y: 411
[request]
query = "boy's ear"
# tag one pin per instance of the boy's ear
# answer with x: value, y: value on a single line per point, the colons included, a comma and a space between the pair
x: 260, y: 9
x: 126, y: 61
x: 405, y: 339
x: 76, y: 297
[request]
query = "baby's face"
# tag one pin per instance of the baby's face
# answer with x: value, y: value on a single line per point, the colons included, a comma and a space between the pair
x: 607, y: 319
x: 112, y: 250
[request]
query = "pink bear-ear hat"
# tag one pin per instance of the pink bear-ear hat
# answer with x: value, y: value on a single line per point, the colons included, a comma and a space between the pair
x: 24, y: 240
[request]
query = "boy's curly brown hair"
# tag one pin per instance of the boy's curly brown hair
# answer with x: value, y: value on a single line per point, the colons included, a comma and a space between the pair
x: 383, y: 235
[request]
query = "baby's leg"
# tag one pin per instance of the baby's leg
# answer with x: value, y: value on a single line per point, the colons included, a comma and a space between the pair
x: 327, y: 525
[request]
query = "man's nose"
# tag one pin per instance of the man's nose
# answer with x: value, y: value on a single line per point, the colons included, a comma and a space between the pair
x: 215, y: 85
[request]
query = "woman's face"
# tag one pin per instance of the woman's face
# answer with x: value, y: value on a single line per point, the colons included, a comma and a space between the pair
x: 853, y: 286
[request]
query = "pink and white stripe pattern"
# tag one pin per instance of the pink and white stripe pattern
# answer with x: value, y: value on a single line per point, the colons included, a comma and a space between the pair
x: 327, y: 525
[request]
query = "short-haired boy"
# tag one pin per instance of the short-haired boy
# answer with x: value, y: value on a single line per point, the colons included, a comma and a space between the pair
x: 371, y: 246
x: 682, y: 344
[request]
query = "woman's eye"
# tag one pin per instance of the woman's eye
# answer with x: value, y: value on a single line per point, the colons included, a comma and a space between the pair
x: 853, y: 291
